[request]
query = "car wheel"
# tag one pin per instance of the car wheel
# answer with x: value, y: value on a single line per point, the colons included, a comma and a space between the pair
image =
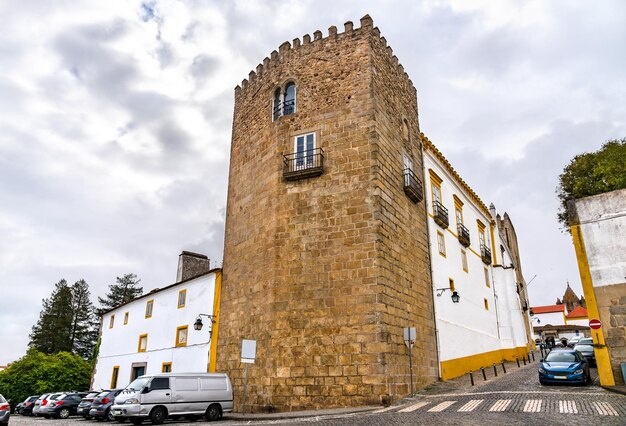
x: 120, y: 419
x: 46, y: 416
x: 64, y: 413
x: 158, y: 415
x: 109, y: 415
x: 213, y: 413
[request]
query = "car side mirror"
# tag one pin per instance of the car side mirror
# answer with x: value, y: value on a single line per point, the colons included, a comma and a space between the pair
x: 146, y: 390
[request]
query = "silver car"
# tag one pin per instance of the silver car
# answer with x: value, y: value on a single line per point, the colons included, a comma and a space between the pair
x: 47, y: 408
x: 39, y: 403
x: 5, y: 411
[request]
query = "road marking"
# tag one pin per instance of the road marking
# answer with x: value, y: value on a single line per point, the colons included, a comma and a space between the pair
x: 384, y: 410
x: 449, y: 395
x: 441, y: 406
x: 532, y: 406
x: 500, y: 405
x: 414, y: 407
x: 568, y: 407
x: 471, y: 405
x: 604, y: 409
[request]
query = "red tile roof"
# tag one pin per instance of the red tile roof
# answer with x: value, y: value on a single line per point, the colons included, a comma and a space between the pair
x: 578, y: 312
x: 548, y: 309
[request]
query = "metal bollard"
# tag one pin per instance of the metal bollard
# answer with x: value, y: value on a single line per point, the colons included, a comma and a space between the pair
x: 533, y: 354
x: 524, y: 359
x: 472, y: 378
x: 517, y: 360
x: 484, y: 375
x: 503, y: 367
x: 495, y: 370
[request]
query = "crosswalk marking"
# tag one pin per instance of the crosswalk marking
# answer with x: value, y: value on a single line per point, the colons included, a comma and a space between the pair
x: 533, y: 406
x: 500, y: 405
x: 441, y: 406
x: 568, y: 407
x: 471, y: 405
x: 604, y: 409
x: 414, y: 407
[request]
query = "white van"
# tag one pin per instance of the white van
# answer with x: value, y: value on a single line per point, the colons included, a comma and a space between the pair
x: 159, y: 396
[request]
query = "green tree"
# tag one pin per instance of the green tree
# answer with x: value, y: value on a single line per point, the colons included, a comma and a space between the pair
x: 84, y: 331
x: 51, y: 334
x: 125, y: 290
x: 37, y: 373
x: 592, y: 173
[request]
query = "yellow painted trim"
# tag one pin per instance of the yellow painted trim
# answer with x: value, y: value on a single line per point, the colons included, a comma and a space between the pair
x: 481, y: 226
x: 151, y: 303
x: 443, y: 243
x: 486, y: 302
x: 451, y: 284
x: 125, y: 318
x: 115, y: 374
x: 493, y: 246
x: 141, y: 336
x: 166, y: 364
x: 184, y: 292
x: 464, y: 265
x: 216, y: 317
x: 457, y: 202
x: 434, y: 177
x: 112, y: 321
x: 178, y: 330
x: 603, y: 360
x: 457, y: 367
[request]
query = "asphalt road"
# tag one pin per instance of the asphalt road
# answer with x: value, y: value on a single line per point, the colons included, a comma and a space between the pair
x: 515, y: 398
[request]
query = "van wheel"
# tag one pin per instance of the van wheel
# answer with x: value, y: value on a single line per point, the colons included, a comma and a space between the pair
x: 213, y: 413
x: 157, y: 415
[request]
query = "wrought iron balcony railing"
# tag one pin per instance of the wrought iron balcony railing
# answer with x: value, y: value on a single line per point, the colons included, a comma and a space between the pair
x: 464, y: 235
x: 303, y: 164
x: 284, y: 108
x: 278, y: 109
x: 440, y: 214
x: 413, y: 186
x: 485, y: 254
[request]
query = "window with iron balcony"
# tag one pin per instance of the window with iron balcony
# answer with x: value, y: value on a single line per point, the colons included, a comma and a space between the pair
x: 306, y: 161
x: 485, y: 254
x: 464, y: 235
x: 440, y: 214
x: 284, y: 102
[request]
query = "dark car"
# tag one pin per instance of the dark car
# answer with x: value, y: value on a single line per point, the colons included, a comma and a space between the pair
x: 564, y: 366
x: 101, y: 406
x: 587, y: 351
x: 28, y: 404
x: 5, y: 411
x: 85, y: 405
x: 64, y: 405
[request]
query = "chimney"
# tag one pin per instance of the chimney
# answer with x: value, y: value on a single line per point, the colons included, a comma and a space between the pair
x: 191, y: 265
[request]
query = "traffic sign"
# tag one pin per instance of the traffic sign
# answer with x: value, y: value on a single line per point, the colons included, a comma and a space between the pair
x: 595, y: 324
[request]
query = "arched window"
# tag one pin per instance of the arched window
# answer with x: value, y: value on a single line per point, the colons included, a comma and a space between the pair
x: 290, y: 99
x: 284, y: 102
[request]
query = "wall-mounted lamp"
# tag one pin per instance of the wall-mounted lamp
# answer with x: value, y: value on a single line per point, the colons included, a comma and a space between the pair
x: 198, y: 324
x: 455, y: 295
x: 531, y: 313
x: 535, y: 319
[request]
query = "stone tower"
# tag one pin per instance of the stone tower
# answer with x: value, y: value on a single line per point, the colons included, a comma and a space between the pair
x: 326, y: 250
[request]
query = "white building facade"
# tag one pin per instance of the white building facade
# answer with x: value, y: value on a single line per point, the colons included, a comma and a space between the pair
x: 155, y: 333
x: 486, y: 325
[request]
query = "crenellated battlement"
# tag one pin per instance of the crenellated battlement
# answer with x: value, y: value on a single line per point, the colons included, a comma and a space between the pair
x: 287, y: 48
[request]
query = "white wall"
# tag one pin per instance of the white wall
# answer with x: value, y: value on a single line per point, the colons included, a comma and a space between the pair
x: 119, y: 345
x: 552, y: 318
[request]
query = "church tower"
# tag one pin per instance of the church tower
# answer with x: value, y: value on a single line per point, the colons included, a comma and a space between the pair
x: 326, y: 253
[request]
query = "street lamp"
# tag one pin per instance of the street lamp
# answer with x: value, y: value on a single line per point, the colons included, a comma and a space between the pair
x: 198, y: 324
x: 455, y: 295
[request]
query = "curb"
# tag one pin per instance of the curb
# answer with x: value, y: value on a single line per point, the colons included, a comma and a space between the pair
x: 299, y: 414
x: 616, y: 389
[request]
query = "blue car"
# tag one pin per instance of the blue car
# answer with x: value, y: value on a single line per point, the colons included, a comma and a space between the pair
x: 564, y: 366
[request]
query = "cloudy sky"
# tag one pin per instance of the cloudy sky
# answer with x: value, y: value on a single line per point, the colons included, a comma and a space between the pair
x: 115, y: 122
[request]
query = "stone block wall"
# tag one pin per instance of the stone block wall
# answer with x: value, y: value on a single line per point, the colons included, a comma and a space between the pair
x: 324, y: 272
x: 612, y: 306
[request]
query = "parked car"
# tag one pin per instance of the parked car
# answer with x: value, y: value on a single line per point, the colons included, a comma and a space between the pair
x: 573, y: 341
x: 195, y: 394
x: 64, y: 405
x: 41, y: 402
x: 85, y: 405
x: 101, y: 406
x: 5, y: 411
x: 564, y: 366
x: 587, y: 352
x: 28, y: 405
x: 585, y: 341
x: 47, y: 404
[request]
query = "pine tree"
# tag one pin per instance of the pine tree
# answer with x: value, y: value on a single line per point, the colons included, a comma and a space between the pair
x: 124, y: 291
x: 52, y: 331
x: 84, y: 331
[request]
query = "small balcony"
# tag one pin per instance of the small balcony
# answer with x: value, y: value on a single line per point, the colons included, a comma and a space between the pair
x: 304, y: 164
x: 485, y: 254
x: 413, y: 186
x: 464, y: 235
x: 440, y: 214
x: 284, y: 108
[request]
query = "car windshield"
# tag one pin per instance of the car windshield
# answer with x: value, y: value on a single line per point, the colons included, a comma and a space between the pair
x: 138, y: 384
x: 586, y: 341
x: 102, y: 394
x: 91, y: 395
x: 584, y: 348
x: 561, y: 357
x: 55, y: 396
x: 2, y: 400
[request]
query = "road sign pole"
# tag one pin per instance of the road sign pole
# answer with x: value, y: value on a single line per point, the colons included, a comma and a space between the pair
x: 245, y: 385
x: 411, y: 367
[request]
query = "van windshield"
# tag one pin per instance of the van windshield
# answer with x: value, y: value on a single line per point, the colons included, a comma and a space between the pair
x: 138, y: 384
